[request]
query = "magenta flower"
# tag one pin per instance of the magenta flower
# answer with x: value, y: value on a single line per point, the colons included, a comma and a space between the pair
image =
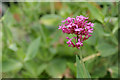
x: 78, y: 26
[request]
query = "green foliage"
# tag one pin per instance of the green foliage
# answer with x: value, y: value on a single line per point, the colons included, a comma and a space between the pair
x: 32, y: 49
x: 114, y: 71
x: 96, y: 13
x: 106, y: 49
x: 50, y: 20
x: 81, y: 70
x: 72, y: 68
x: 56, y: 67
x: 10, y: 65
x: 32, y: 45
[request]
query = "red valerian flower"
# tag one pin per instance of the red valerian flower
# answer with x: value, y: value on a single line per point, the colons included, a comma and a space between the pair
x: 78, y: 26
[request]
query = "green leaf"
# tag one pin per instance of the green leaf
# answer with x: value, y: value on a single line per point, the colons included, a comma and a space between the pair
x: 50, y: 20
x: 81, y: 70
x: 8, y: 18
x: 90, y: 64
x: 114, y: 71
x: 20, y: 54
x: 34, y: 68
x: 65, y: 50
x: 56, y: 68
x: 31, y: 67
x: 32, y: 49
x: 87, y: 49
x: 45, y: 54
x: 65, y: 12
x: 93, y: 39
x: 100, y: 71
x: 95, y: 12
x: 7, y: 34
x: 72, y: 68
x: 115, y: 29
x: 99, y: 30
x: 13, y: 47
x: 10, y: 65
x: 106, y: 49
x: 41, y: 68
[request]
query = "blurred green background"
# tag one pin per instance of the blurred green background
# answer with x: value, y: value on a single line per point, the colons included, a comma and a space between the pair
x: 33, y: 47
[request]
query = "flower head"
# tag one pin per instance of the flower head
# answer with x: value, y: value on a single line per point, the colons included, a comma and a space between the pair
x: 78, y: 26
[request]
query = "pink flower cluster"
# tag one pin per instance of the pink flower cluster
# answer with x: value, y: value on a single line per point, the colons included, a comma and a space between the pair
x: 78, y: 26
